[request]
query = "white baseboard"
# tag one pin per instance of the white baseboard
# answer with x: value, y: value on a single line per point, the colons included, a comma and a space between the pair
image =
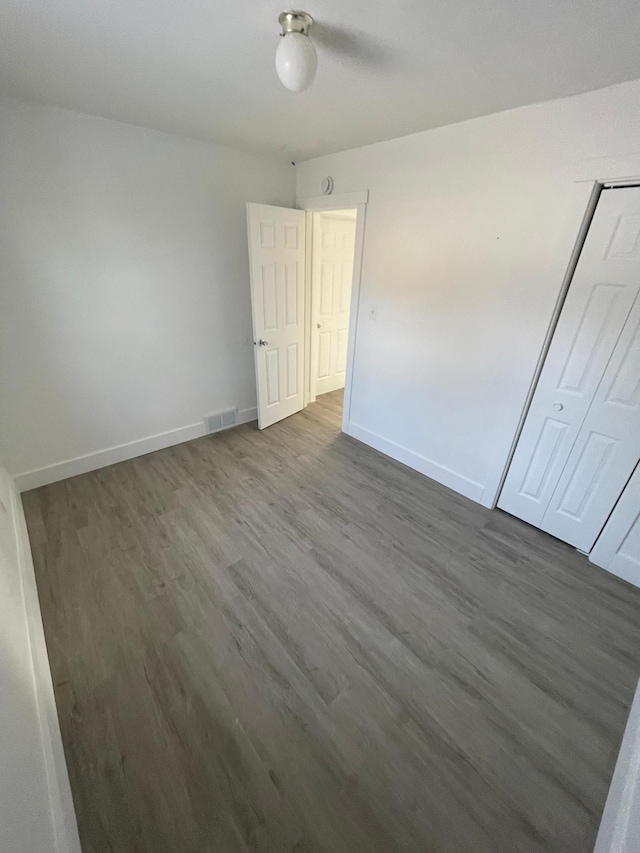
x: 245, y: 416
x: 63, y: 818
x: 457, y: 482
x: 101, y: 458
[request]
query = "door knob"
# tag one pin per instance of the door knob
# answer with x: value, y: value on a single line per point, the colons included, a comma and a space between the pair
x: 558, y: 407
x: 262, y: 342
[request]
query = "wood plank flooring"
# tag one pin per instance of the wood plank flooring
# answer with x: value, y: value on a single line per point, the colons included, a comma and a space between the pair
x: 284, y: 641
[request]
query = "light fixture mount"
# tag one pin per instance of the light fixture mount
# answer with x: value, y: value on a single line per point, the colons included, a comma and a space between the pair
x: 295, y: 22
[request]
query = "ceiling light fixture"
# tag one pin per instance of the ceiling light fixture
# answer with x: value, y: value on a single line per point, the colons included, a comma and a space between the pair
x: 296, y: 59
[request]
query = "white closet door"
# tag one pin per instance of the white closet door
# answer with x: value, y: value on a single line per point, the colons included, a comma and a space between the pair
x: 618, y: 547
x: 606, y: 451
x: 276, y: 254
x: 604, y: 287
x: 333, y: 251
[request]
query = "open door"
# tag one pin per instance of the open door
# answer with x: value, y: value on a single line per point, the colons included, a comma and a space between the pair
x: 277, y: 265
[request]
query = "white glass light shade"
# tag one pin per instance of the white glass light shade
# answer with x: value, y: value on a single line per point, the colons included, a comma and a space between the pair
x: 296, y: 62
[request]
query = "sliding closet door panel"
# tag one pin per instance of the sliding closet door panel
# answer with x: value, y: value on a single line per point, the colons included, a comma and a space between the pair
x: 604, y: 287
x: 607, y: 448
x: 618, y: 546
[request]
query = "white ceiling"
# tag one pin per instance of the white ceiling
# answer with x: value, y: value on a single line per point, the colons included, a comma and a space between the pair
x: 205, y: 68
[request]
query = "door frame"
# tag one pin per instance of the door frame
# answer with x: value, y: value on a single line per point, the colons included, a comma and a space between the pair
x: 498, y: 474
x: 318, y: 204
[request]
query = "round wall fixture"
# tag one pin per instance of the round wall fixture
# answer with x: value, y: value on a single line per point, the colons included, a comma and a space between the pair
x: 327, y: 185
x: 296, y: 59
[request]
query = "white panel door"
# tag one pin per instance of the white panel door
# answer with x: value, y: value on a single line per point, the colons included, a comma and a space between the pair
x: 606, y: 450
x: 277, y: 260
x: 604, y: 287
x: 618, y: 547
x: 333, y: 251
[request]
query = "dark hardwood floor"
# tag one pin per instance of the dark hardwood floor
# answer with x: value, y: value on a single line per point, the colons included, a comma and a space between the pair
x: 284, y: 641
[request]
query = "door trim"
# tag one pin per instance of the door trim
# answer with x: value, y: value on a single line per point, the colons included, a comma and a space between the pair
x: 341, y: 201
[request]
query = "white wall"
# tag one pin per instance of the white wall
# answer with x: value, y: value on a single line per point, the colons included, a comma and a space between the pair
x: 36, y: 810
x: 124, y: 284
x: 469, y: 232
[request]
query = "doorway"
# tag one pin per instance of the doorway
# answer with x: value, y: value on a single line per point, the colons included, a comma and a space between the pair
x: 580, y: 441
x: 304, y: 302
x: 332, y: 258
